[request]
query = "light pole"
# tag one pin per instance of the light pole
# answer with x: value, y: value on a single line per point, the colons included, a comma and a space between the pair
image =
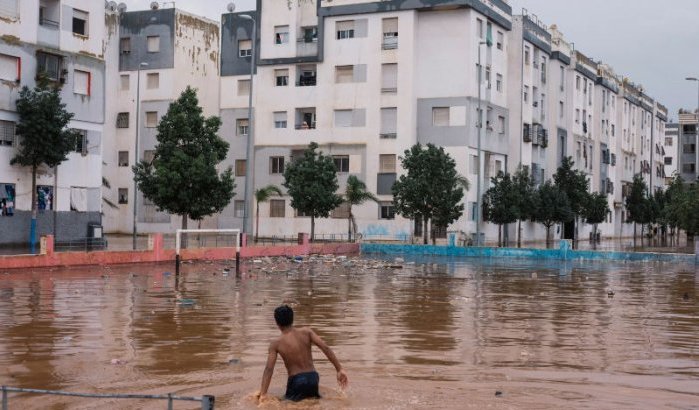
x: 138, y: 131
x: 480, y: 161
x: 249, y: 181
x: 697, y: 113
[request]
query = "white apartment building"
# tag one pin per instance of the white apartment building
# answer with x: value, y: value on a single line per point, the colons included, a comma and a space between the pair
x: 687, y: 145
x: 63, y: 39
x: 671, y: 147
x: 169, y: 49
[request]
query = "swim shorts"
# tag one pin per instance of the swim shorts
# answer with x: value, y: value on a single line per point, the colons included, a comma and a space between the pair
x: 302, y: 386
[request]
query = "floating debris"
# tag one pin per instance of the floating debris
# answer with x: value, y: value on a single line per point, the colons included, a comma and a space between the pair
x: 186, y: 302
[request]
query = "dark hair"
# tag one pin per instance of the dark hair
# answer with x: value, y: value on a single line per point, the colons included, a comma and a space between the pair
x: 284, y: 316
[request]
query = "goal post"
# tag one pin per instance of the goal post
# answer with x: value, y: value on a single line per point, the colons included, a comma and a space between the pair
x: 178, y: 244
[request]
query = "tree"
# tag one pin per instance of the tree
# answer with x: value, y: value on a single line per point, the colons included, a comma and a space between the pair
x: 576, y: 186
x: 182, y: 179
x: 501, y: 203
x: 637, y: 204
x: 674, y: 196
x: 595, y: 212
x: 431, y: 189
x: 355, y: 194
x: 311, y: 182
x: 44, y: 138
x: 688, y: 210
x: 550, y: 206
x: 263, y: 195
x: 524, y: 187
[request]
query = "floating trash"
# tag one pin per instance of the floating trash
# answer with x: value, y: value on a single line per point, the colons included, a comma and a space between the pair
x: 186, y: 302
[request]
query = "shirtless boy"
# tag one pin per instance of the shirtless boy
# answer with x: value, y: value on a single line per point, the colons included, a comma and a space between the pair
x: 294, y: 346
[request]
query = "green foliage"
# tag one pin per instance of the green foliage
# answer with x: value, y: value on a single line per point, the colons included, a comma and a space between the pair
x: 551, y: 205
x: 501, y: 202
x: 523, y: 184
x: 430, y: 189
x: 688, y: 210
x: 43, y: 118
x: 356, y: 194
x: 263, y: 194
x: 674, y: 196
x: 574, y: 183
x: 183, y: 179
x: 311, y: 182
x: 596, y: 209
x: 637, y: 203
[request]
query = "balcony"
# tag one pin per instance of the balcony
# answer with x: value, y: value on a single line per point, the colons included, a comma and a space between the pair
x: 389, y: 42
x: 306, y: 47
x: 48, y: 32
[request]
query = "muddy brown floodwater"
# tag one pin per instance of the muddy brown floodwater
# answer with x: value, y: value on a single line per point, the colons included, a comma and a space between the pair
x: 435, y: 333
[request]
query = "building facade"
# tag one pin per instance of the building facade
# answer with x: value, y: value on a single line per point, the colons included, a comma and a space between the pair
x: 671, y: 147
x: 62, y: 39
x: 687, y: 146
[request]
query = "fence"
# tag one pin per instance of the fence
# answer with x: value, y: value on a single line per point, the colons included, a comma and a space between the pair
x: 85, y: 244
x: 207, y: 402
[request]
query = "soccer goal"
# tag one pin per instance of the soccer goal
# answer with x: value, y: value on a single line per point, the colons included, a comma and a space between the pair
x: 178, y: 243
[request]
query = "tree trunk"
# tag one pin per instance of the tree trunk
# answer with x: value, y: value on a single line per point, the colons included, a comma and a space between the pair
x: 32, y: 228
x: 349, y: 225
x: 548, y: 237
x: 185, y: 218
x: 313, y: 228
x: 499, y: 235
x: 643, y: 230
x: 634, y: 235
x: 424, y: 231
x: 519, y: 233
x: 257, y: 222
x: 594, y: 236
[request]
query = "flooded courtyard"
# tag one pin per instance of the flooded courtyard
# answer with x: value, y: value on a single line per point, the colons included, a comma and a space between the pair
x: 421, y: 333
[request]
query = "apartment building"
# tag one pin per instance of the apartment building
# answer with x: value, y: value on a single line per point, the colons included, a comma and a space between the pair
x: 671, y: 147
x: 153, y: 55
x: 687, y: 146
x: 64, y: 40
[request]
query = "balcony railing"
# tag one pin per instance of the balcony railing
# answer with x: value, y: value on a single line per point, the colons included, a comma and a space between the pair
x: 306, y: 81
x: 389, y: 43
x: 389, y: 90
x: 306, y: 126
x: 49, y: 23
x: 388, y: 135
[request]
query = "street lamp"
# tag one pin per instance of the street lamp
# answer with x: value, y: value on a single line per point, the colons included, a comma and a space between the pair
x: 138, y: 130
x: 480, y: 161
x: 247, y: 221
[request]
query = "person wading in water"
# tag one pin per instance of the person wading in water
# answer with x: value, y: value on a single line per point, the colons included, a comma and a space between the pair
x: 294, y: 346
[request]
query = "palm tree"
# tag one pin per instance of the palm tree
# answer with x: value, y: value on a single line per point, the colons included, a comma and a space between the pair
x: 263, y: 195
x: 355, y: 194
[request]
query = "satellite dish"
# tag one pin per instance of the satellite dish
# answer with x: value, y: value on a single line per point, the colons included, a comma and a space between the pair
x: 154, y: 5
x: 231, y: 7
x: 112, y: 6
x: 122, y: 8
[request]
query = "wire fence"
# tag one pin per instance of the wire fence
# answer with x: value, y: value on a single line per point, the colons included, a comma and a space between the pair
x: 207, y: 402
x: 81, y: 245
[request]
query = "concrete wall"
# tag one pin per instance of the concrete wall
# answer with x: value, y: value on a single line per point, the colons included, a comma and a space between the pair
x: 69, y: 226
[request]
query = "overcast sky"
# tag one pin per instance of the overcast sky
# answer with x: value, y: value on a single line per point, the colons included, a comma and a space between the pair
x: 654, y: 43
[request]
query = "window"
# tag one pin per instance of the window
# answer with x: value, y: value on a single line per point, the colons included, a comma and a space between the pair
x: 689, y: 149
x: 153, y: 81
x: 281, y: 34
x: 310, y: 34
x: 7, y: 133
x: 279, y: 119
x: 239, y: 209
x: 473, y: 165
x: 49, y: 64
x: 668, y: 141
x: 80, y: 19
x: 527, y: 53
x: 563, y: 78
x: 82, y: 82
x: 613, y: 130
x: 350, y: 118
x: 276, y: 165
x: 389, y: 122
x: 498, y: 82
x: 561, y: 109
x: 240, y: 167
x: 689, y: 168
x: 123, y: 158
x: 341, y: 212
x: 341, y: 163
x: 306, y: 75
x: 345, y: 29
x: 479, y: 26
x: 122, y: 120
x: 10, y: 9
x: 389, y: 78
x: 543, y: 70
x: 244, y: 48
x: 44, y: 197
x: 526, y: 93
x: 277, y: 208
x: 281, y: 77
x: 390, y: 33
x: 10, y: 68
x: 123, y: 196
x: 243, y: 87
x: 125, y: 45
x: 305, y: 118
x: 500, y: 40
x: 153, y: 44
x: 387, y: 163
x: 668, y: 160
x: 81, y: 142
x: 344, y: 73
x: 151, y: 119
x: 440, y: 116
x: 387, y: 210
x: 241, y: 125
x: 385, y: 182
x: 125, y: 82
x: 501, y: 124
x: 577, y: 82
x: 487, y: 77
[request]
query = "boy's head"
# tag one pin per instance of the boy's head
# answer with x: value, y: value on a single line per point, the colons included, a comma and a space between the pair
x: 284, y: 316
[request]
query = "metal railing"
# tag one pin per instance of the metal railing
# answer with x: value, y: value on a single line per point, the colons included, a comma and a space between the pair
x: 85, y: 244
x: 207, y: 402
x: 49, y: 23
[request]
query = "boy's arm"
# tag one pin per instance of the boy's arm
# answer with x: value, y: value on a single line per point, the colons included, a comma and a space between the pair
x: 269, y: 369
x: 341, y: 375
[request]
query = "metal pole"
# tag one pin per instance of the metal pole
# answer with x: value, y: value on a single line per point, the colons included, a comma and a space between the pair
x: 480, y: 161
x: 135, y: 185
x: 207, y: 402
x: 4, y: 398
x: 247, y: 221
x: 169, y: 401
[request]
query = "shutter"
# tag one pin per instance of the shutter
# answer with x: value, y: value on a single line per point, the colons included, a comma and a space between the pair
x: 390, y: 26
x: 359, y: 117
x: 9, y: 8
x: 153, y: 44
x: 81, y: 80
x: 344, y: 25
x: 280, y: 116
x: 440, y: 116
x: 343, y: 118
x: 389, y: 76
x: 344, y: 74
x: 389, y: 120
x: 387, y: 163
x: 9, y: 68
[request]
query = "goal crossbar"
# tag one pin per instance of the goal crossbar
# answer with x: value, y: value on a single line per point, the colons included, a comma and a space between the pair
x: 178, y: 236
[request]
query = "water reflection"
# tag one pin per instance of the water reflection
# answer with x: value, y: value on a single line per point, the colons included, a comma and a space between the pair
x: 418, y: 328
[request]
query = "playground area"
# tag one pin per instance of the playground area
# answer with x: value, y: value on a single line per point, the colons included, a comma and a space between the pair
x: 412, y: 332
